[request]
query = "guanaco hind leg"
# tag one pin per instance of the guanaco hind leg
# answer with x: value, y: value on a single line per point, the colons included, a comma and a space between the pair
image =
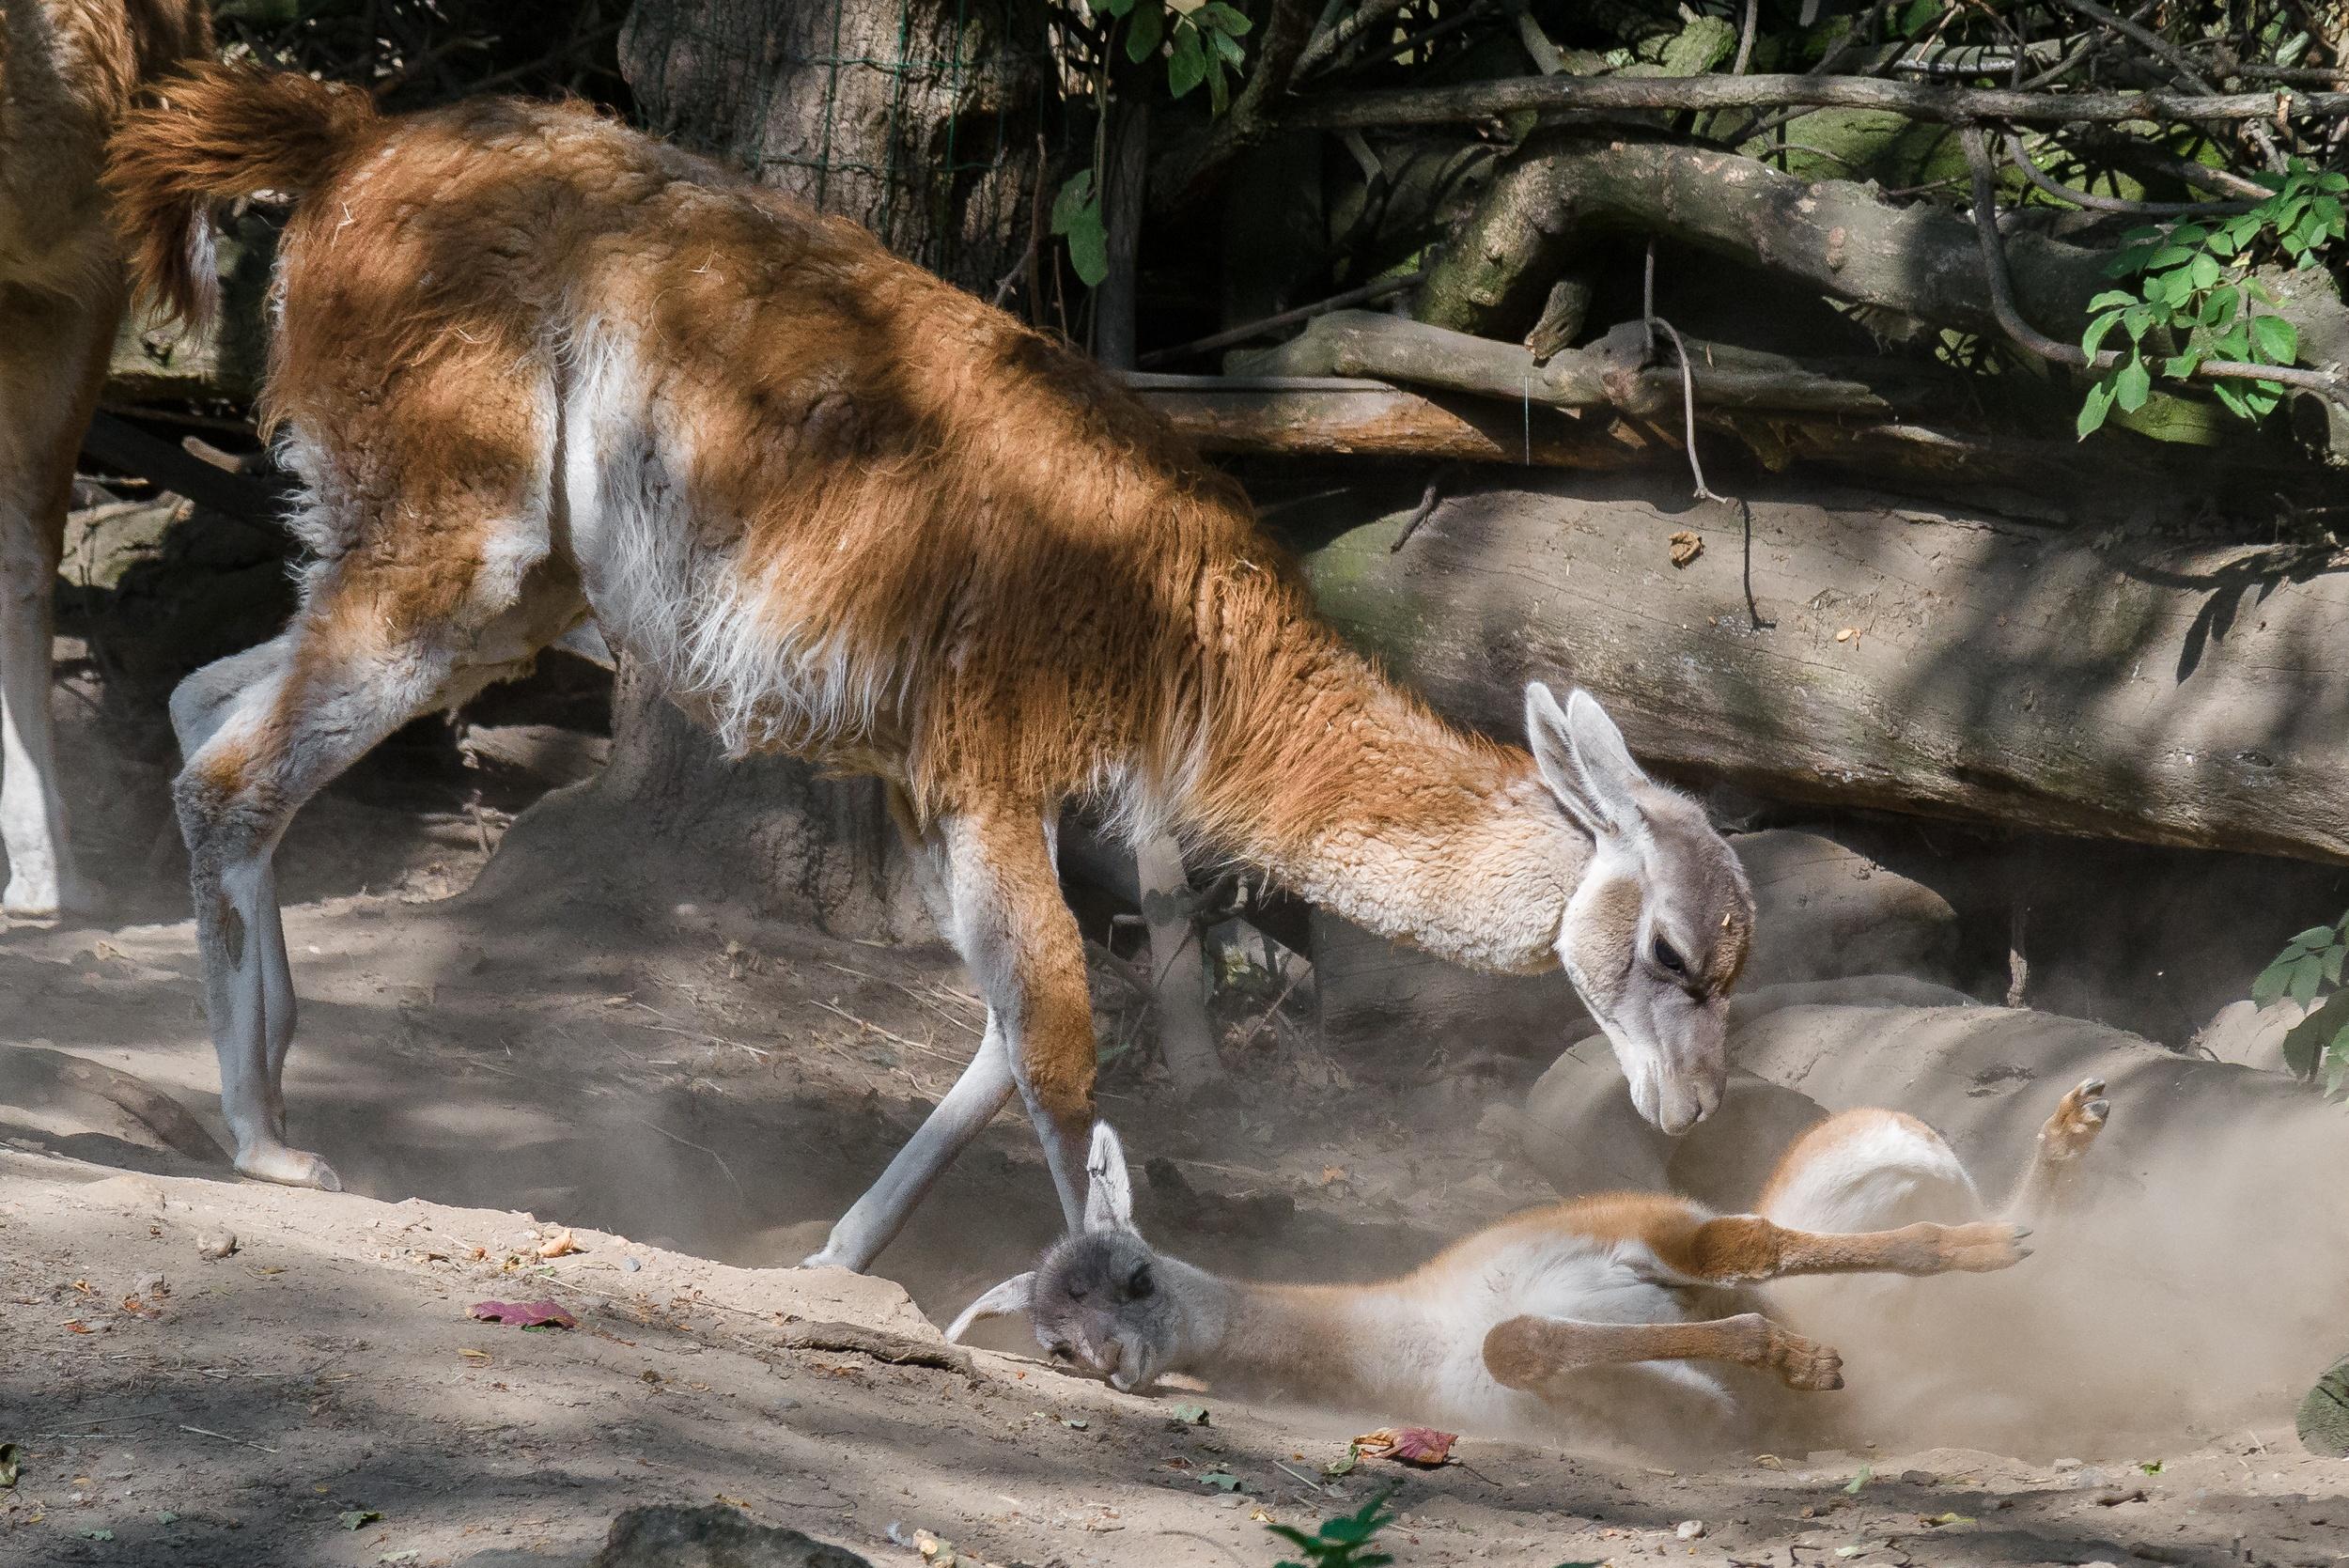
x: 2050, y: 1181
x: 1529, y: 1353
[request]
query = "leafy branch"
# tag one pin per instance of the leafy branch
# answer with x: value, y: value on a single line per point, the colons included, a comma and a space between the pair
x: 2196, y: 295
x: 2312, y: 963
x: 1199, y: 41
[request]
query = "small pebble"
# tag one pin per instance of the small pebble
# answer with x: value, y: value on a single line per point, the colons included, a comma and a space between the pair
x: 1919, y: 1478
x: 215, y: 1244
x: 629, y: 1266
x: 1690, y: 1529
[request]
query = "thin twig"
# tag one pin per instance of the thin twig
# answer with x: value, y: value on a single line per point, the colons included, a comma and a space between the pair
x: 208, y: 1431
x: 2022, y: 159
x: 1428, y: 501
x: 688, y: 1143
x: 1378, y: 288
x: 1745, y: 39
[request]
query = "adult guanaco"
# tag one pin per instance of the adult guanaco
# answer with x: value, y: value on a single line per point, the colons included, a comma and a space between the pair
x: 531, y: 367
x: 68, y: 70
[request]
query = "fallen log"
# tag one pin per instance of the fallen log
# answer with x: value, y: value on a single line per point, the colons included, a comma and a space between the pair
x: 1923, y: 658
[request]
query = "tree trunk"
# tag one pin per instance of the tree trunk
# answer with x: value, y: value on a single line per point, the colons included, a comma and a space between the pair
x: 1927, y: 659
x: 918, y: 119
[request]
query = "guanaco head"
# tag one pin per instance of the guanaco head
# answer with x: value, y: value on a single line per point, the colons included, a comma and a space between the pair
x: 1101, y: 1297
x: 1656, y: 930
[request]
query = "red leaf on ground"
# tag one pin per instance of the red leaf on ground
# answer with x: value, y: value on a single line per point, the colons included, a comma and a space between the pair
x: 1407, y: 1445
x: 525, y: 1314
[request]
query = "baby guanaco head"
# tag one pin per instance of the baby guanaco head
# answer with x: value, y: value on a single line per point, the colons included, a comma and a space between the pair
x: 1101, y: 1298
x: 1657, y: 928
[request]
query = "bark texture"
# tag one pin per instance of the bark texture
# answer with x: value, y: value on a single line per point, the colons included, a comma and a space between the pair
x: 1925, y: 659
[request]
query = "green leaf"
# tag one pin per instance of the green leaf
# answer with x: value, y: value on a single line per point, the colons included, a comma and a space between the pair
x: 1222, y: 1480
x: 2093, y: 410
x: 2151, y: 1467
x: 2112, y: 298
x: 2131, y: 385
x: 2307, y: 971
x: 2312, y: 938
x: 1219, y: 95
x: 1229, y: 47
x: 2204, y: 271
x: 2231, y: 394
x: 1076, y: 194
x: 1866, y: 1475
x: 1187, y: 67
x: 2307, y: 1040
x: 12, y: 1462
x: 1224, y: 18
x: 2275, y: 339
x: 2171, y: 255
x: 1915, y: 16
x: 1189, y: 1415
x: 1089, y: 248
x: 2234, y: 343
x: 2219, y: 309
x: 2188, y: 234
x: 1119, y: 7
x: 359, y: 1518
x: 2134, y: 321
x: 1147, y: 31
x: 2181, y: 368
x: 2096, y: 330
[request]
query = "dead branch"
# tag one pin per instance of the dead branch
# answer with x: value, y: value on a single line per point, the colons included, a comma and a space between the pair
x: 1608, y: 94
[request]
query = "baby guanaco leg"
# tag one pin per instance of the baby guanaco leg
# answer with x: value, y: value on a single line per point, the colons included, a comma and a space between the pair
x: 1529, y: 1353
x: 2050, y: 1180
x: 1745, y: 1248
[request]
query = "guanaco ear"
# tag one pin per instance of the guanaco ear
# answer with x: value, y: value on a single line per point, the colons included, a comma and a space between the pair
x: 1583, y: 759
x: 1008, y: 1299
x: 1109, y: 1190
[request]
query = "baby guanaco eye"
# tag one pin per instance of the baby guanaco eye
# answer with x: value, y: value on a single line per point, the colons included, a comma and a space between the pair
x: 1141, y: 1285
x: 1669, y: 956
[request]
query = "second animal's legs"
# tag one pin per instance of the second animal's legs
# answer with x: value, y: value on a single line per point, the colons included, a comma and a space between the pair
x: 2051, y: 1178
x: 1006, y: 916
x: 52, y: 354
x: 1529, y: 1352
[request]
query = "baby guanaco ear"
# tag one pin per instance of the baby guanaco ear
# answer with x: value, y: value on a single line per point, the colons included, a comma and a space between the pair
x: 1008, y: 1299
x: 1583, y: 759
x: 1109, y: 1192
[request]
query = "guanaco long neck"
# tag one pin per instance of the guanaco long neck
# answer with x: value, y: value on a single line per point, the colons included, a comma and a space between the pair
x: 1359, y: 798
x: 1296, y: 1339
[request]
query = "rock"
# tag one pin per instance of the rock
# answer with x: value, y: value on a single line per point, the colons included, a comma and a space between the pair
x: 713, y: 1537
x: 2249, y: 1035
x: 1690, y: 1529
x: 215, y: 1245
x: 2062, y: 1465
x: 2323, y: 1419
x: 1828, y: 911
x: 1919, y: 1478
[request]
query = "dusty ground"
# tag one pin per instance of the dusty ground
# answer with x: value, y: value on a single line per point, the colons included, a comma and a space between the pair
x: 482, y: 1071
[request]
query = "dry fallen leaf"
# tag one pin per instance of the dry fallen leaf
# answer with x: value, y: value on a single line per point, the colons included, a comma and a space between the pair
x: 1407, y: 1445
x: 1687, y: 547
x: 1846, y: 634
x: 524, y: 1314
x: 560, y: 1245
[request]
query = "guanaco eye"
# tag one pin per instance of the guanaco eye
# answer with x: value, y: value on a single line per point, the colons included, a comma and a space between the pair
x: 1669, y: 956
x: 1141, y: 1285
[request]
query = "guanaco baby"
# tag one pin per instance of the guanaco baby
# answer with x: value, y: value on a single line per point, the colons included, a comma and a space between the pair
x: 1612, y: 1315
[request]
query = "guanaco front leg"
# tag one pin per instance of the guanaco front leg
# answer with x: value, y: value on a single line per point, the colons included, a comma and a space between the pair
x: 1014, y: 931
x: 1529, y: 1353
x: 1745, y: 1248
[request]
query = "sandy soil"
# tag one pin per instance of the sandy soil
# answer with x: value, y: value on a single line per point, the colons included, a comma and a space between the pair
x: 483, y: 1071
